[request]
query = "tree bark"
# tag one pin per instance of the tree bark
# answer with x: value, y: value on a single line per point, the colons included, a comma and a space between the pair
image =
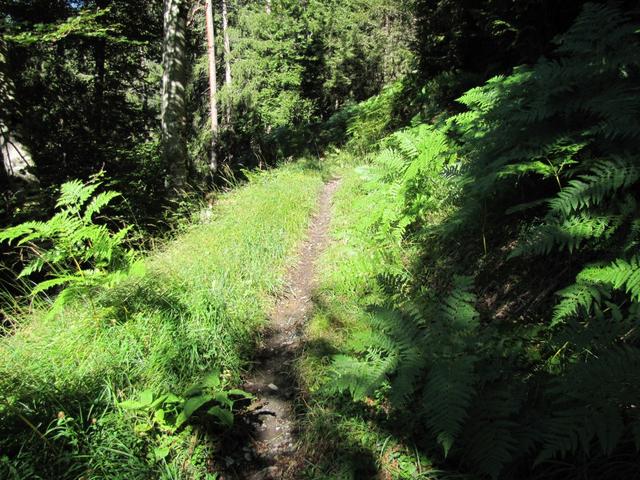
x: 174, y: 79
x: 227, y: 57
x: 15, y: 159
x: 100, y: 54
x: 268, y: 7
x: 213, y: 85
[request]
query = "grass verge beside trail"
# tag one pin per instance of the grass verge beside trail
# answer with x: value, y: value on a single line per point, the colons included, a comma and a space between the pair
x: 197, y: 306
x: 351, y: 440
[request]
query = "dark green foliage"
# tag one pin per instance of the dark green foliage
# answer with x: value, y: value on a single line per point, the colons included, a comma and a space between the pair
x: 487, y: 36
x: 295, y: 67
x: 85, y: 24
x: 86, y: 81
x: 583, y: 141
x: 550, y: 151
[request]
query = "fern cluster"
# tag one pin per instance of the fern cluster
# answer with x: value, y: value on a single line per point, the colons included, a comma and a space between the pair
x: 552, y: 151
x: 70, y: 249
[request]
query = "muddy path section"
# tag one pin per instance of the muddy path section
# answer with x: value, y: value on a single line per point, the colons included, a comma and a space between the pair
x: 264, y: 445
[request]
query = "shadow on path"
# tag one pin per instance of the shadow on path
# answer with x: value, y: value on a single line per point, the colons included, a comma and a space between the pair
x: 263, y: 445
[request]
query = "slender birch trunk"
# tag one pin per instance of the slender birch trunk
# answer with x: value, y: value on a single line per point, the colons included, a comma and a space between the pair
x: 268, y: 7
x: 213, y: 85
x: 227, y: 57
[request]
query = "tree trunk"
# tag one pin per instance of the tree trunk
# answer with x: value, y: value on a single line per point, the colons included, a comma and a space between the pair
x: 100, y: 54
x: 15, y: 159
x: 174, y: 79
x: 99, y: 87
x: 268, y: 7
x: 227, y: 58
x: 213, y: 84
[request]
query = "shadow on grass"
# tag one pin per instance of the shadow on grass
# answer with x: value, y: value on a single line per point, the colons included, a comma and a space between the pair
x: 351, y: 440
x: 143, y: 296
x: 62, y: 421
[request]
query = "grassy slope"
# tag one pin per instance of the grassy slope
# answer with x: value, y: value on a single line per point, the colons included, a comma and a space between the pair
x: 197, y: 306
x: 350, y: 441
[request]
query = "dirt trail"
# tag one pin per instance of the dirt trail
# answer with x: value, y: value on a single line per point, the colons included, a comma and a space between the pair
x: 267, y: 449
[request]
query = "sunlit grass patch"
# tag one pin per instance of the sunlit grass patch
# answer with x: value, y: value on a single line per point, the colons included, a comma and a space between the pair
x: 199, y: 305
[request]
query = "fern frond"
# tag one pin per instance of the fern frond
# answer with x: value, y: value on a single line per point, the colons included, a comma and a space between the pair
x: 12, y: 233
x: 565, y: 432
x: 570, y: 234
x: 490, y: 436
x: 620, y: 274
x: 411, y: 347
x: 98, y: 203
x: 54, y: 282
x: 447, y: 396
x: 597, y: 27
x: 591, y: 398
x: 407, y: 144
x: 606, y: 177
x: 74, y: 194
x: 576, y: 298
x: 358, y: 377
x: 633, y: 239
x: 458, y: 309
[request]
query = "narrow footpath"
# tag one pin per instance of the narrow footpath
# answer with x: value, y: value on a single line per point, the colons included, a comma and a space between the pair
x: 269, y: 448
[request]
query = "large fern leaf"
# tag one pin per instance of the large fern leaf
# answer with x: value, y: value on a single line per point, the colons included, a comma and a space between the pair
x: 447, y: 395
x: 620, y: 274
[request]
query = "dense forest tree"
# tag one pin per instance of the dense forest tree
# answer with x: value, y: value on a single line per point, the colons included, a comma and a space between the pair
x: 227, y: 56
x: 296, y: 64
x: 111, y: 52
x: 67, y: 61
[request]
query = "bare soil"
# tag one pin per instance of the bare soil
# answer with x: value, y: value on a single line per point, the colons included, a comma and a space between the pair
x: 264, y: 446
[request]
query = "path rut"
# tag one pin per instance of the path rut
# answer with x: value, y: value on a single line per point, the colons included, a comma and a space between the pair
x: 269, y: 450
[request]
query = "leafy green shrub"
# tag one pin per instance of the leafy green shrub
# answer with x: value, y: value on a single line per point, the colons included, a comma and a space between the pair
x: 168, y: 412
x: 569, y: 125
x: 369, y: 121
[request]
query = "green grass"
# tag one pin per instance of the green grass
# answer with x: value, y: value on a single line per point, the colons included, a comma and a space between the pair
x: 350, y: 440
x: 197, y: 306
